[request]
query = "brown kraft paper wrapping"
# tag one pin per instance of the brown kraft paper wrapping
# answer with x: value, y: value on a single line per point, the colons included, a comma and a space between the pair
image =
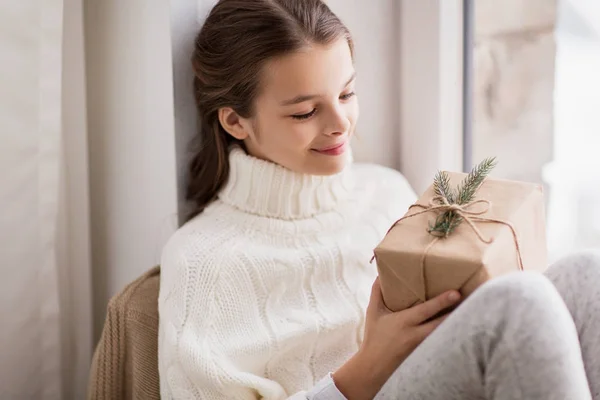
x: 462, y: 261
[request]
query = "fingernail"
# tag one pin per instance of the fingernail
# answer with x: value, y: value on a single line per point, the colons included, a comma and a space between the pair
x: 453, y: 296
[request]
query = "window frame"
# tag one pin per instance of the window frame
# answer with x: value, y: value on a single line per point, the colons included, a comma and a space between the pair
x: 431, y: 86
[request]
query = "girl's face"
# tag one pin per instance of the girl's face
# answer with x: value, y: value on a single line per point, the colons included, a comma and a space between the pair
x: 305, y: 112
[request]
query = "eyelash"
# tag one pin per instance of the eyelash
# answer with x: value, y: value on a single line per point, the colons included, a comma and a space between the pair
x: 347, y: 96
x: 314, y: 110
x: 305, y: 116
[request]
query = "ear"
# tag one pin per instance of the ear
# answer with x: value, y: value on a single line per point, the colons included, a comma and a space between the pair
x: 233, y: 123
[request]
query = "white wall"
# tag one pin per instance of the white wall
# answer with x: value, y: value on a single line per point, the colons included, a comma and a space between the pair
x: 131, y: 137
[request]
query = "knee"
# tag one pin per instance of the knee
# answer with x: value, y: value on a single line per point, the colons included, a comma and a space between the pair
x: 522, y: 289
x: 583, y: 266
x: 508, y: 304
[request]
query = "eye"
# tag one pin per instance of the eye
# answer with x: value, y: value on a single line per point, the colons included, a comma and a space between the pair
x: 347, y: 96
x: 305, y: 116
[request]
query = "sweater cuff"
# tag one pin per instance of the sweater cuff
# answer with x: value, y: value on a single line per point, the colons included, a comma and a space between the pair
x: 325, y: 389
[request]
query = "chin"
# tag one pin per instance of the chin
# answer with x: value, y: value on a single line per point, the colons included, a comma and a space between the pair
x: 330, y: 165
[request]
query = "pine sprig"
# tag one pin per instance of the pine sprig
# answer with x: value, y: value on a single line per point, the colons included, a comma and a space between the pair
x: 447, y: 221
x: 441, y: 186
x: 472, y: 182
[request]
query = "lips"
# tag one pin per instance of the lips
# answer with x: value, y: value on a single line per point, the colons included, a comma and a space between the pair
x: 335, y: 146
x: 332, y: 150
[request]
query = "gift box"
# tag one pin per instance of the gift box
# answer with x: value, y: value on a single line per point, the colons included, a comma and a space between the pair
x: 451, y: 241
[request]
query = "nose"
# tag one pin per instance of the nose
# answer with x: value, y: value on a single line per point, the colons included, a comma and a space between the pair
x: 338, y: 123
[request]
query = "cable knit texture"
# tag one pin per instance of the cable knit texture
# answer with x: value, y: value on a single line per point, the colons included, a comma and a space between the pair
x: 264, y: 293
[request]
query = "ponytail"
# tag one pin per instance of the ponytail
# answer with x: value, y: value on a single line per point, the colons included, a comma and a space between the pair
x: 209, y: 167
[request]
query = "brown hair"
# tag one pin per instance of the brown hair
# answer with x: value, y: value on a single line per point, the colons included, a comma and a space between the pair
x: 237, y: 38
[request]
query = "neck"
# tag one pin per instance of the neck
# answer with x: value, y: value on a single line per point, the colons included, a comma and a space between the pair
x: 269, y: 190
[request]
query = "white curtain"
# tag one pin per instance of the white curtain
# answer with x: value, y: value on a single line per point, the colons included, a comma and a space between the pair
x: 45, y: 303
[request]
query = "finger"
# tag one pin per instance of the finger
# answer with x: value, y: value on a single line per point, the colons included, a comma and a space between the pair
x: 422, y: 331
x: 424, y: 311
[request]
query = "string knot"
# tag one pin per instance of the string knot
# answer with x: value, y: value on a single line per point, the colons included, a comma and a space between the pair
x: 441, y: 204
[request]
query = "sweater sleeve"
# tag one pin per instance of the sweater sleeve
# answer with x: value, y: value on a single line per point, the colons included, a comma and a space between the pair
x: 199, y: 358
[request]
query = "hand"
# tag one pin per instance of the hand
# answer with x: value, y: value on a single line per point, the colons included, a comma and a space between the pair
x: 392, y: 336
x: 389, y: 339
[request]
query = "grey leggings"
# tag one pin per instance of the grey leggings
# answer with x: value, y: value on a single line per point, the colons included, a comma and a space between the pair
x: 523, y: 336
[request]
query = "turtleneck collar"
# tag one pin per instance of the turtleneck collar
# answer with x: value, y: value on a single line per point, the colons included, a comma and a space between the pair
x: 267, y: 189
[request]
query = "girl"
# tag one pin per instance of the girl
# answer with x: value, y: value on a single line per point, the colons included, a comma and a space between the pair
x: 267, y: 292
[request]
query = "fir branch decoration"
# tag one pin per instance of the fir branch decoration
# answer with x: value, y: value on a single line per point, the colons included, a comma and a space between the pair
x: 447, y: 221
x: 441, y: 185
x: 470, y: 185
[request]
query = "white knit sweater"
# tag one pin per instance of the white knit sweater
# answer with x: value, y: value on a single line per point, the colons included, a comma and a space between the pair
x: 264, y: 293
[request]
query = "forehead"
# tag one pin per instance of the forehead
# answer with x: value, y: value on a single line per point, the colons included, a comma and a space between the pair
x: 314, y: 70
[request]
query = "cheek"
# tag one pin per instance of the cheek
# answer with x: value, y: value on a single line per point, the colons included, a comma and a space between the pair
x: 286, y: 133
x: 302, y: 134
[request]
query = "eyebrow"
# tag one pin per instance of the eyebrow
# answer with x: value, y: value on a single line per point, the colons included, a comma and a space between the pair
x: 305, y: 97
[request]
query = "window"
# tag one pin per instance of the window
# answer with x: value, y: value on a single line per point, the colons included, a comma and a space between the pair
x: 534, y: 91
